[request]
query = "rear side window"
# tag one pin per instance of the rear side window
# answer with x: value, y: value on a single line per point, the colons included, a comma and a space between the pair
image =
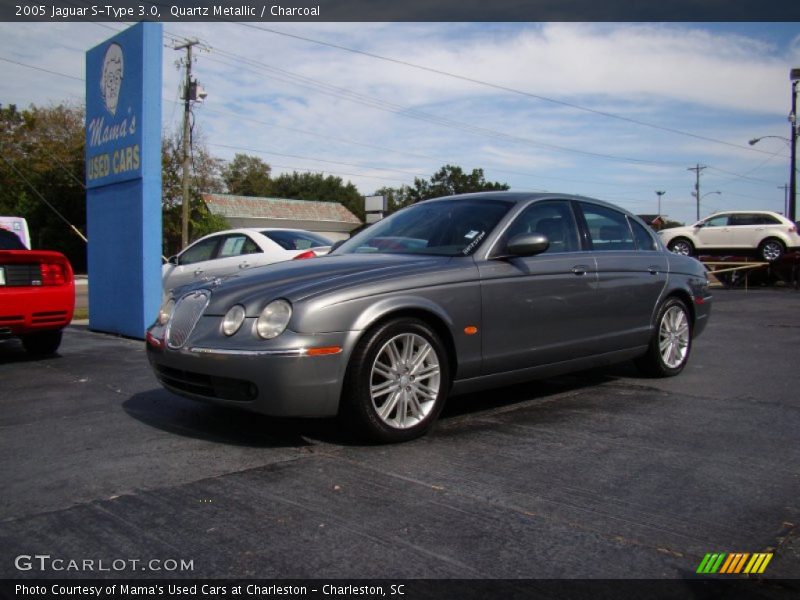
x: 608, y: 228
x: 235, y: 245
x: 762, y: 219
x: 297, y: 240
x: 644, y: 241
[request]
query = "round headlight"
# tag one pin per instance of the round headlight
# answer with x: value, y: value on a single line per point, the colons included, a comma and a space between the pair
x: 165, y: 311
x: 233, y: 319
x: 273, y: 319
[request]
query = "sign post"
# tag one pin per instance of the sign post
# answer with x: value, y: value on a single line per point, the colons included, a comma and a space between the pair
x: 123, y: 180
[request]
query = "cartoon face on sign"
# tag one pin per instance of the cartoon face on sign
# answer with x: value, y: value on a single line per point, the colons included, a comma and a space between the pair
x: 111, y: 78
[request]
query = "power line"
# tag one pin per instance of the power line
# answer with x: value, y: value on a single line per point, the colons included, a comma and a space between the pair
x: 41, y: 197
x: 409, y: 112
x: 495, y: 86
x: 406, y: 109
x: 21, y: 64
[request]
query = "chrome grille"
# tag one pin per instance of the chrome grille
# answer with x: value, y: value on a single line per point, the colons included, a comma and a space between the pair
x: 187, y: 311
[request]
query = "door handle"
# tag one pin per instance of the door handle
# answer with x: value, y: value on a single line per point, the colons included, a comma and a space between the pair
x: 198, y: 271
x: 244, y: 265
x: 580, y: 269
x: 652, y: 270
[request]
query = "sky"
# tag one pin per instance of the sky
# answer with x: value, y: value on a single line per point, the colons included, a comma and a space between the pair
x: 611, y: 111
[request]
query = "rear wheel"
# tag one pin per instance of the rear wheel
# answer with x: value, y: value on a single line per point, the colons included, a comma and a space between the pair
x: 42, y: 344
x: 681, y: 246
x: 397, y: 382
x: 671, y: 342
x: 771, y: 249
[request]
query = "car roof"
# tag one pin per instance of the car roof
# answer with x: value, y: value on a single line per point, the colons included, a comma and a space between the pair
x: 518, y: 197
x: 746, y: 212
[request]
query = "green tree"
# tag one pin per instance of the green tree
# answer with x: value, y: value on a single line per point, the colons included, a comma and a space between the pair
x: 447, y: 181
x: 205, y: 177
x: 247, y: 175
x: 451, y: 180
x: 316, y: 186
x: 42, y: 152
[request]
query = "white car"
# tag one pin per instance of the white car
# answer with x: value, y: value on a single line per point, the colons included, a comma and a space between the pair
x: 233, y: 250
x: 769, y: 234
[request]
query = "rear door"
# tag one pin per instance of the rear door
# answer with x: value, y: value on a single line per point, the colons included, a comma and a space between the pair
x: 236, y: 252
x: 631, y: 274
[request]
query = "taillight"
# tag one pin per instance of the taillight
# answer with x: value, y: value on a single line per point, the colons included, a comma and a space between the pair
x: 53, y: 274
x: 306, y: 254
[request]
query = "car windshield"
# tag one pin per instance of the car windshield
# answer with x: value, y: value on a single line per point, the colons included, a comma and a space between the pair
x: 296, y: 240
x: 441, y: 228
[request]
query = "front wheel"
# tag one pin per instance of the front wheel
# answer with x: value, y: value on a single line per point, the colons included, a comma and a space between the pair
x: 671, y: 342
x: 681, y: 246
x: 771, y: 250
x: 397, y: 382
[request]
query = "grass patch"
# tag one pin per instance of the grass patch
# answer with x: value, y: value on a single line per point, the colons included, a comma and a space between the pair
x: 81, y: 313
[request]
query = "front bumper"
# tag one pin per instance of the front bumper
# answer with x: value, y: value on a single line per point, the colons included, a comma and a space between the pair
x: 273, y: 377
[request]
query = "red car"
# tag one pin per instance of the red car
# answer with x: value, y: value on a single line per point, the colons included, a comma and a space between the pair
x: 37, y: 295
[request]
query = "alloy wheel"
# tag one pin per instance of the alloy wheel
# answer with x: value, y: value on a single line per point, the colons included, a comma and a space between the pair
x: 405, y: 380
x: 673, y: 337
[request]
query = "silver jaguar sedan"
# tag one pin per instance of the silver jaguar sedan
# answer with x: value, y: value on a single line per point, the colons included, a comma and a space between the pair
x: 443, y: 297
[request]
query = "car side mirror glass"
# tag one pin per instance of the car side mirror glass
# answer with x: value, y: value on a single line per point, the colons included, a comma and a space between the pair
x: 173, y: 260
x: 527, y: 244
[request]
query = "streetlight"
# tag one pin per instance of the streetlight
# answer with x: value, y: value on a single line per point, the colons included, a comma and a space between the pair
x: 787, y: 207
x: 659, y: 194
x: 700, y: 198
x: 754, y: 141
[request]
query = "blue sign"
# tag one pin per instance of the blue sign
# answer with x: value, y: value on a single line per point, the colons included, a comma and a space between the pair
x: 123, y: 180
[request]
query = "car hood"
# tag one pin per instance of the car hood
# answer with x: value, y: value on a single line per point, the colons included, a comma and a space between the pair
x: 673, y: 231
x: 359, y: 274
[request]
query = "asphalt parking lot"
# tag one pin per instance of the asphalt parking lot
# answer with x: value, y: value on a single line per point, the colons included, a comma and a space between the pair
x: 602, y: 474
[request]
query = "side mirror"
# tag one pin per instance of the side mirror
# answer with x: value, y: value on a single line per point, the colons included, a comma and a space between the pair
x: 336, y: 245
x: 527, y: 244
x: 173, y: 260
x: 699, y: 224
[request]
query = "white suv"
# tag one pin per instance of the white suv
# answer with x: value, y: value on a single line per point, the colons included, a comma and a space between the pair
x: 768, y: 233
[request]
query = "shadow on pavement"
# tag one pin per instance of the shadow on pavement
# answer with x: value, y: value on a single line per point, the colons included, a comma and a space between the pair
x: 168, y: 412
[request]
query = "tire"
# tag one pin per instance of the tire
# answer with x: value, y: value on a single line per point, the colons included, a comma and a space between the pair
x: 681, y: 246
x: 42, y: 344
x: 671, y: 343
x: 771, y: 249
x: 397, y: 382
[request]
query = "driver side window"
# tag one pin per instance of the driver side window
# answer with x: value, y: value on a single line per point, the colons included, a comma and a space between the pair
x: 552, y: 218
x: 201, y: 251
x: 720, y: 221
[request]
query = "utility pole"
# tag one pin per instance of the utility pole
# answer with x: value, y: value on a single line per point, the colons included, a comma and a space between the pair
x: 794, y: 75
x: 659, y: 194
x: 785, y: 188
x: 697, y: 171
x: 187, y: 109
